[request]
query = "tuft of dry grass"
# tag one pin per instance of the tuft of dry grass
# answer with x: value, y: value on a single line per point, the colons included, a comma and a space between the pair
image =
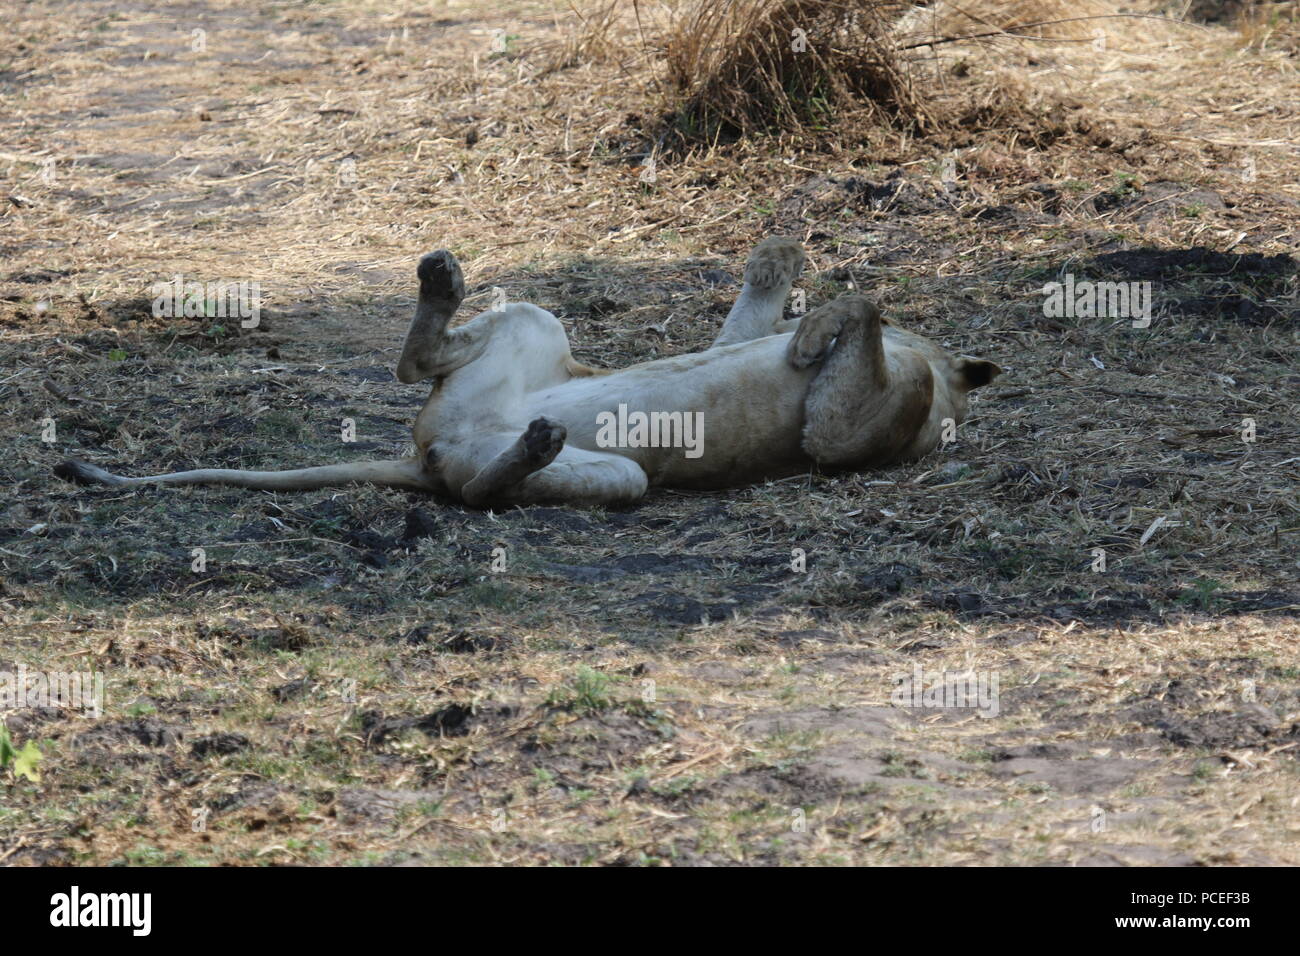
x: 760, y: 64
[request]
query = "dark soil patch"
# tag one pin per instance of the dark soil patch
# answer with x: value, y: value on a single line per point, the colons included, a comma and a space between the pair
x: 1146, y: 263
x: 222, y: 744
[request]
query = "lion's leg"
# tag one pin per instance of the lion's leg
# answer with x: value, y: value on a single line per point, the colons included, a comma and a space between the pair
x: 860, y: 355
x: 772, y: 268
x: 533, y: 450
x: 430, y: 351
x: 792, y: 325
x: 861, y: 409
x: 581, y: 477
x: 537, y: 467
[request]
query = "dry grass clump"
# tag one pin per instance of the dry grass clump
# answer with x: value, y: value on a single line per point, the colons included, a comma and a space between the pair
x: 737, y: 66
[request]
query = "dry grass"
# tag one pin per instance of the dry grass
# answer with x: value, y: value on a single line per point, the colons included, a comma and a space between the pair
x: 1018, y: 19
x: 1271, y: 26
x: 350, y: 683
x: 590, y: 35
x: 761, y: 64
x: 831, y: 66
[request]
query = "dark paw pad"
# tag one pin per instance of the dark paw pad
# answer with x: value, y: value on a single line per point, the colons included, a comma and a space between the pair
x: 440, y: 276
x: 544, y: 439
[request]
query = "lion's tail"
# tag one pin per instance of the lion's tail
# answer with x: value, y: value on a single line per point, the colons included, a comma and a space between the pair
x: 393, y: 473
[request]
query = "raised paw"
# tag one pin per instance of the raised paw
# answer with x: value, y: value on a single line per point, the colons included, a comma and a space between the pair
x: 812, y: 341
x: 440, y: 277
x: 805, y: 349
x: 775, y: 261
x: 543, y: 440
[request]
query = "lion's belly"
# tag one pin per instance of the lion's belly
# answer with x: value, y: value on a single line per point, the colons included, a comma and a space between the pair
x: 708, y: 419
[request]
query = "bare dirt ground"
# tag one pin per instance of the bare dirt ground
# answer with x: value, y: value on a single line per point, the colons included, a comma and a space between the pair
x: 349, y: 681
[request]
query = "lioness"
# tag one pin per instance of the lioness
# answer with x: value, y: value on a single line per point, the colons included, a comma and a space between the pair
x: 513, y: 419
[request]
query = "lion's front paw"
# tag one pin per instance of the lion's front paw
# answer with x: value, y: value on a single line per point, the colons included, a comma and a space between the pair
x: 819, y: 329
x: 806, y: 350
x: 543, y: 440
x: 774, y: 262
x: 440, y: 277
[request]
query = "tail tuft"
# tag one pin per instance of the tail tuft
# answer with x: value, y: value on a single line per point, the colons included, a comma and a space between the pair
x: 85, y: 474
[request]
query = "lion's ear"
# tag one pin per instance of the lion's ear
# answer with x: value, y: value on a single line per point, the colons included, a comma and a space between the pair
x: 976, y: 372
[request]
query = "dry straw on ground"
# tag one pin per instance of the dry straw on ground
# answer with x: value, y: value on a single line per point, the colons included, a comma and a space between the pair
x: 948, y: 20
x: 525, y: 691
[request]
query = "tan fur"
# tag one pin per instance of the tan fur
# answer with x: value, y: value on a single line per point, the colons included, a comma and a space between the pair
x: 512, y: 418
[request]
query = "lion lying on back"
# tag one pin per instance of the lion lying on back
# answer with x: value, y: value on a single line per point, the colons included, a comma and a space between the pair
x: 513, y: 419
